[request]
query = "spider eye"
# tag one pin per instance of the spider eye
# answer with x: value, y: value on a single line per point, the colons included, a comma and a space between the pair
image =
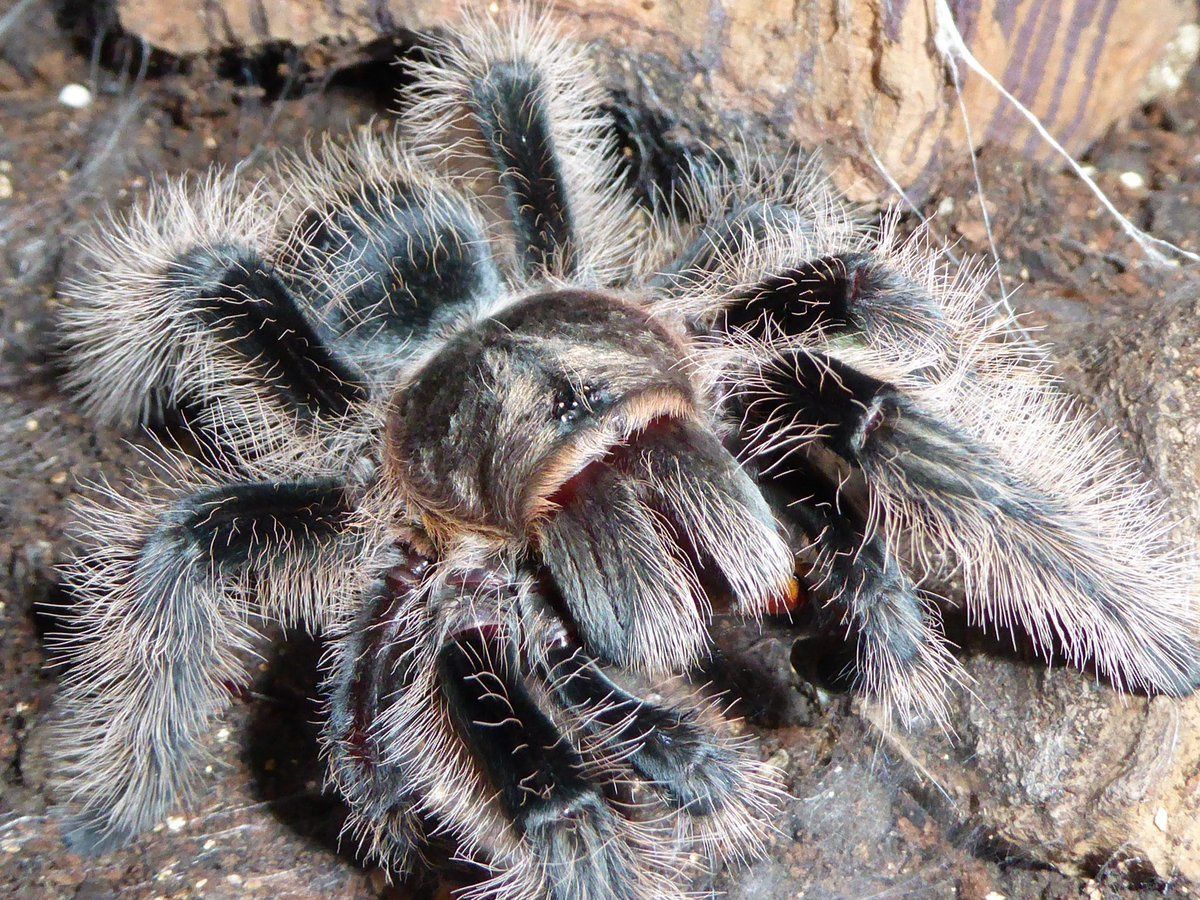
x: 571, y: 403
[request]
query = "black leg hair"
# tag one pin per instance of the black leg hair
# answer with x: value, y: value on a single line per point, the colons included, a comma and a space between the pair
x: 372, y: 663
x: 402, y: 264
x: 181, y: 307
x: 252, y: 316
x: 436, y: 717
x: 879, y: 352
x: 389, y: 252
x: 769, y: 253
x: 660, y: 744
x: 544, y: 727
x: 841, y: 294
x: 901, y: 657
x: 852, y: 294
x: 655, y: 166
x: 543, y: 786
x: 512, y: 116
x: 719, y: 797
x: 805, y: 396
x: 511, y: 104
x: 159, y: 632
x: 1030, y: 558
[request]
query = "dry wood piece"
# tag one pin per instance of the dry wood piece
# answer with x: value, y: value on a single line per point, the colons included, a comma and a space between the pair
x: 864, y: 75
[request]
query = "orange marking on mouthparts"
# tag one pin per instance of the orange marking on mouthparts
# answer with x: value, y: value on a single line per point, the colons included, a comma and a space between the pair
x: 793, y: 596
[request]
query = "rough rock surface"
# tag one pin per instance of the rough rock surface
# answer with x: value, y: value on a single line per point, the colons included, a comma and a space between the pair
x: 1070, y: 772
x: 1046, y: 767
x: 1144, y: 371
x: 866, y: 74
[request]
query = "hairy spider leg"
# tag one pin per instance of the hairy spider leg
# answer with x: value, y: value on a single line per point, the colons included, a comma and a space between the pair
x: 966, y: 444
x: 513, y: 105
x: 182, y: 308
x: 720, y: 796
x: 605, y: 792
x: 250, y: 314
x: 159, y: 631
x: 511, y: 115
x: 901, y: 659
x: 872, y: 348
x: 1030, y: 560
x: 837, y: 295
x: 541, y: 779
x: 388, y: 251
x: 654, y: 167
x: 439, y: 728
x: 371, y: 662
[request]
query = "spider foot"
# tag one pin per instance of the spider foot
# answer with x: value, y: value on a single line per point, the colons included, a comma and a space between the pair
x: 93, y: 836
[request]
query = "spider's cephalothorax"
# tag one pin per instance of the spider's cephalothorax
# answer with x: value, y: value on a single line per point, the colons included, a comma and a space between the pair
x: 505, y: 435
x: 568, y: 422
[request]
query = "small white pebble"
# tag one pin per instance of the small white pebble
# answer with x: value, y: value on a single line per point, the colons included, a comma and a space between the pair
x: 222, y: 735
x: 209, y: 844
x: 1133, y: 180
x: 176, y: 822
x: 32, y: 424
x: 234, y: 879
x: 6, y: 188
x: 994, y: 895
x: 10, y: 845
x: 75, y: 96
x: 946, y: 206
x: 1160, y: 819
x: 199, y: 885
x: 1089, y: 171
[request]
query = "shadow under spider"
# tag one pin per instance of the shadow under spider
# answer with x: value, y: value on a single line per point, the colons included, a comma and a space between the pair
x: 281, y: 750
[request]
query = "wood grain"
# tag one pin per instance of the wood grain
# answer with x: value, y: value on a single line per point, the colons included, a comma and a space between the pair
x: 861, y: 74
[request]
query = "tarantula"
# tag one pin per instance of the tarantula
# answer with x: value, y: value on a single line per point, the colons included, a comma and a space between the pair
x: 507, y: 438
